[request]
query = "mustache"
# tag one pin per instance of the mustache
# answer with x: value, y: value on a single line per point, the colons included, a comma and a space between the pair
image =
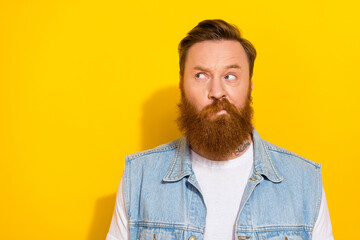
x: 218, y: 105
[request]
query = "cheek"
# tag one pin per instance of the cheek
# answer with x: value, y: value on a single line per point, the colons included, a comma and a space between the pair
x: 195, y: 96
x: 238, y: 97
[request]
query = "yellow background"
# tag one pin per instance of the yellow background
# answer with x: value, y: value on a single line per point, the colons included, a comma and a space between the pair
x: 83, y: 83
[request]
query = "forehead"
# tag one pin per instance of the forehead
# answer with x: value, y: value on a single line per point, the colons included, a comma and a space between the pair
x: 217, y: 54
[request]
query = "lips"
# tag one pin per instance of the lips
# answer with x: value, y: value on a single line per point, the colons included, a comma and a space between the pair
x: 222, y: 111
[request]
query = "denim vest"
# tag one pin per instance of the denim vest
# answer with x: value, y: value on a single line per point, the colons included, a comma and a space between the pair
x: 164, y: 201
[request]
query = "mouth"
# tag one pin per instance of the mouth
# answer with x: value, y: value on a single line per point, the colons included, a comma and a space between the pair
x: 217, y: 114
x: 221, y: 112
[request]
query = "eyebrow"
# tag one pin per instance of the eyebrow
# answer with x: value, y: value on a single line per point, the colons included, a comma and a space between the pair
x: 227, y: 67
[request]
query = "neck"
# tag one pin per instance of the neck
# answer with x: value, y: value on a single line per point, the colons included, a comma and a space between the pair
x: 237, y: 153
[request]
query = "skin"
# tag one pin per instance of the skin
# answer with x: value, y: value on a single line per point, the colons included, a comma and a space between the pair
x: 215, y: 70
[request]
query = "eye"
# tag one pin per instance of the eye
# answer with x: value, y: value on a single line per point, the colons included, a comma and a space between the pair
x: 200, y: 75
x: 230, y: 77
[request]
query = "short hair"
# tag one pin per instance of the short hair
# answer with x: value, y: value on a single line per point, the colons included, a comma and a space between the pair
x: 215, y: 29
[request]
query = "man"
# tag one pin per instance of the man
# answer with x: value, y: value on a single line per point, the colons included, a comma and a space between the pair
x: 221, y: 181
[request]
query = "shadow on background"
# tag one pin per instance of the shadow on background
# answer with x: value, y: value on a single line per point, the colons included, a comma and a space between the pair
x: 158, y: 120
x: 158, y: 126
x: 100, y: 224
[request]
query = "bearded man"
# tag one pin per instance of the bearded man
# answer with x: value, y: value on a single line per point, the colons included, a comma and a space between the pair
x: 220, y: 181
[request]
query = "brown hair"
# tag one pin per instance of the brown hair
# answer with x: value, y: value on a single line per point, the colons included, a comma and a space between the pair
x: 216, y: 29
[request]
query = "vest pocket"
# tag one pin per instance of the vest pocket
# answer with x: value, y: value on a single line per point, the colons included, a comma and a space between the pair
x: 284, y: 235
x: 156, y: 233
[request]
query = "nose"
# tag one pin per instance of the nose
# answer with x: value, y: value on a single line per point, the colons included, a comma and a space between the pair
x: 216, y: 90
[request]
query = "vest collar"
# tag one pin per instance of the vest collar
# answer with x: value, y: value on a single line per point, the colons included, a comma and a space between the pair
x: 180, y: 166
x: 263, y: 165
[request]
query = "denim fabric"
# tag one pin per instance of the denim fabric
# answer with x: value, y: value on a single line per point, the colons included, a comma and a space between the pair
x: 164, y: 201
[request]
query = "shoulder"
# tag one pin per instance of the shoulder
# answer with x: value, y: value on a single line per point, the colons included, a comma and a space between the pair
x: 290, y: 164
x: 164, y: 148
x: 281, y: 154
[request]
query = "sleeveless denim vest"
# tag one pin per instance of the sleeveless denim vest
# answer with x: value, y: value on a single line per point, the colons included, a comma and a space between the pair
x: 163, y: 200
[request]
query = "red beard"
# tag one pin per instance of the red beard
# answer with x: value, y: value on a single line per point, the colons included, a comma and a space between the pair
x: 217, y: 136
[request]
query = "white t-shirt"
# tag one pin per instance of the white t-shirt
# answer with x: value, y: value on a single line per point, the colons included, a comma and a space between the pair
x: 222, y: 185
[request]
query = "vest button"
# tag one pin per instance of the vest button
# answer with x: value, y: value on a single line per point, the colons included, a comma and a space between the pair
x: 192, y: 238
